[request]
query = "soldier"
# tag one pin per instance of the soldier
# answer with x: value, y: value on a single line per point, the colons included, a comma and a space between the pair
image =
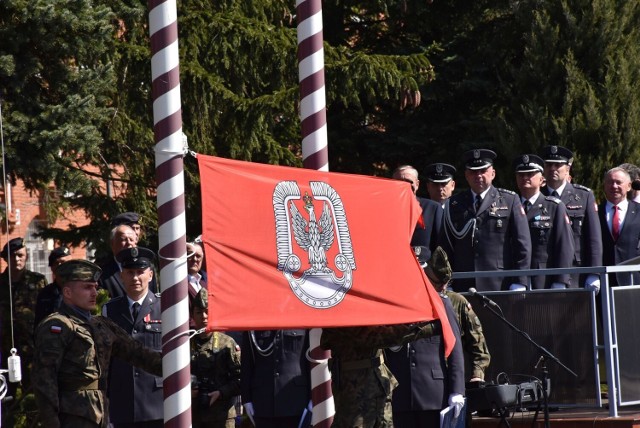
x: 215, y: 362
x: 551, y: 235
x: 428, y: 380
x: 425, y: 237
x: 50, y: 297
x: 275, y: 377
x: 19, y: 288
x: 582, y: 210
x: 135, y: 396
x: 485, y: 228
x: 440, y: 182
x: 73, y: 352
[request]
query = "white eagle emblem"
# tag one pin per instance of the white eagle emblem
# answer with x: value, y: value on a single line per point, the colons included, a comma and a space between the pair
x: 326, y: 241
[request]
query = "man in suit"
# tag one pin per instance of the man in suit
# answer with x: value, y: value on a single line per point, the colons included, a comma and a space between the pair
x: 135, y: 396
x: 485, y: 228
x: 582, y: 210
x: 427, y: 380
x: 425, y: 236
x: 440, y: 182
x: 195, y: 275
x: 620, y: 225
x: 275, y: 377
x: 121, y: 237
x: 551, y: 234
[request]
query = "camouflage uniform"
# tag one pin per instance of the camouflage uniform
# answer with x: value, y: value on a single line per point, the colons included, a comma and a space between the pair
x: 215, y: 361
x: 477, y: 356
x: 362, y: 383
x: 72, y: 367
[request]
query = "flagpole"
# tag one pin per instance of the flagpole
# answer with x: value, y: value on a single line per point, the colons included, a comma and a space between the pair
x: 313, y: 117
x: 169, y: 151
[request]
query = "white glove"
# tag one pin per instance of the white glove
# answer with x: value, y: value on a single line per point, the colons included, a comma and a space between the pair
x: 248, y: 409
x: 592, y: 283
x: 558, y: 286
x: 517, y: 287
x: 457, y: 402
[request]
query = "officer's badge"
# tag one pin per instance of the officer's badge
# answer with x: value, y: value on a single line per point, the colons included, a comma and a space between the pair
x: 326, y: 242
x: 525, y: 159
x: 439, y: 168
x: 554, y: 149
x: 476, y: 154
x: 134, y: 252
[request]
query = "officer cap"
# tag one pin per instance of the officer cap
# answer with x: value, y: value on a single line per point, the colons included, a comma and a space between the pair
x: 478, y: 158
x: 440, y: 172
x: 136, y: 258
x: 57, y: 253
x: 528, y: 163
x: 557, y: 154
x: 13, y: 245
x: 438, y: 269
x: 78, y: 270
x: 127, y: 218
x: 201, y: 300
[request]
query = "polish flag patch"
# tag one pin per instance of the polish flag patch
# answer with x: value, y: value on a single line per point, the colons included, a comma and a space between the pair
x: 55, y: 329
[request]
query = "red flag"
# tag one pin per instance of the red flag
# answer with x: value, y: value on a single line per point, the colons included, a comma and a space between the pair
x: 298, y: 248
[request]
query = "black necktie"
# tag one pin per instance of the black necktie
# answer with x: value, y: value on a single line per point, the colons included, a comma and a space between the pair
x: 478, y: 202
x: 555, y: 194
x: 135, y: 310
x: 527, y: 205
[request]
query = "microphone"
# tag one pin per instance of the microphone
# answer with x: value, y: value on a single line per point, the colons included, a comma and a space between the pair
x: 484, y: 298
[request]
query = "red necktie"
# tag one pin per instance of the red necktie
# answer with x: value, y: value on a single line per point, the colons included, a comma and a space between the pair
x: 615, y: 223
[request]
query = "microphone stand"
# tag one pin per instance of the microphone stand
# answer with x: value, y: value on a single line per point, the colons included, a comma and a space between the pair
x: 544, y: 356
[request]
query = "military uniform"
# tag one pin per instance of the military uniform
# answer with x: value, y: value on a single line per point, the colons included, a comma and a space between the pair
x: 426, y: 377
x: 474, y: 345
x: 496, y: 237
x: 275, y: 376
x: 215, y: 361
x: 551, y: 240
x: 72, y: 365
x: 361, y: 382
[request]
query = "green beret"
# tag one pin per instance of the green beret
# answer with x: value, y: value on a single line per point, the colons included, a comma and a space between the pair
x: 78, y: 270
x: 201, y: 299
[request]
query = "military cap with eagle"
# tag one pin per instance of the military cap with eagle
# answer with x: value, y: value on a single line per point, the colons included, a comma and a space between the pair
x: 440, y: 172
x: 528, y: 163
x: 478, y: 158
x: 557, y: 154
x: 136, y: 258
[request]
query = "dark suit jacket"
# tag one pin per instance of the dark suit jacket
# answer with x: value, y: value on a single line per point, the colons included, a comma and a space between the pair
x: 135, y: 395
x: 581, y: 209
x: 278, y: 383
x: 551, y: 240
x: 426, y: 238
x: 110, y: 279
x: 426, y: 378
x: 626, y: 247
x: 500, y: 239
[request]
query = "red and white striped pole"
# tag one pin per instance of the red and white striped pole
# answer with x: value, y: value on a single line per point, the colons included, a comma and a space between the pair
x: 169, y: 151
x: 313, y: 115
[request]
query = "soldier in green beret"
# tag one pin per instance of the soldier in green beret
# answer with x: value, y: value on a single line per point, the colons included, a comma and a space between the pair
x: 215, y: 363
x: 73, y: 352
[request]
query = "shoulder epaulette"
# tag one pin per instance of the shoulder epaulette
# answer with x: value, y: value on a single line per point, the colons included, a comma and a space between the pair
x: 553, y: 199
x: 581, y: 187
x: 501, y: 190
x: 158, y: 295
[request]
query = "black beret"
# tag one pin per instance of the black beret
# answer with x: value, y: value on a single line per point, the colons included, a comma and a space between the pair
x: 440, y: 172
x: 528, y: 163
x: 57, y: 253
x: 78, y: 270
x: 13, y: 245
x: 127, y: 218
x: 478, y: 158
x: 557, y: 154
x: 136, y: 258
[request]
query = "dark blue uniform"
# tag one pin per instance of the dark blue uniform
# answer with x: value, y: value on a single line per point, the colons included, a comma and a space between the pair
x: 626, y: 247
x: 495, y: 238
x: 275, y: 376
x: 425, y: 377
x: 551, y: 240
x: 135, y: 395
x: 587, y: 237
x: 425, y: 239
